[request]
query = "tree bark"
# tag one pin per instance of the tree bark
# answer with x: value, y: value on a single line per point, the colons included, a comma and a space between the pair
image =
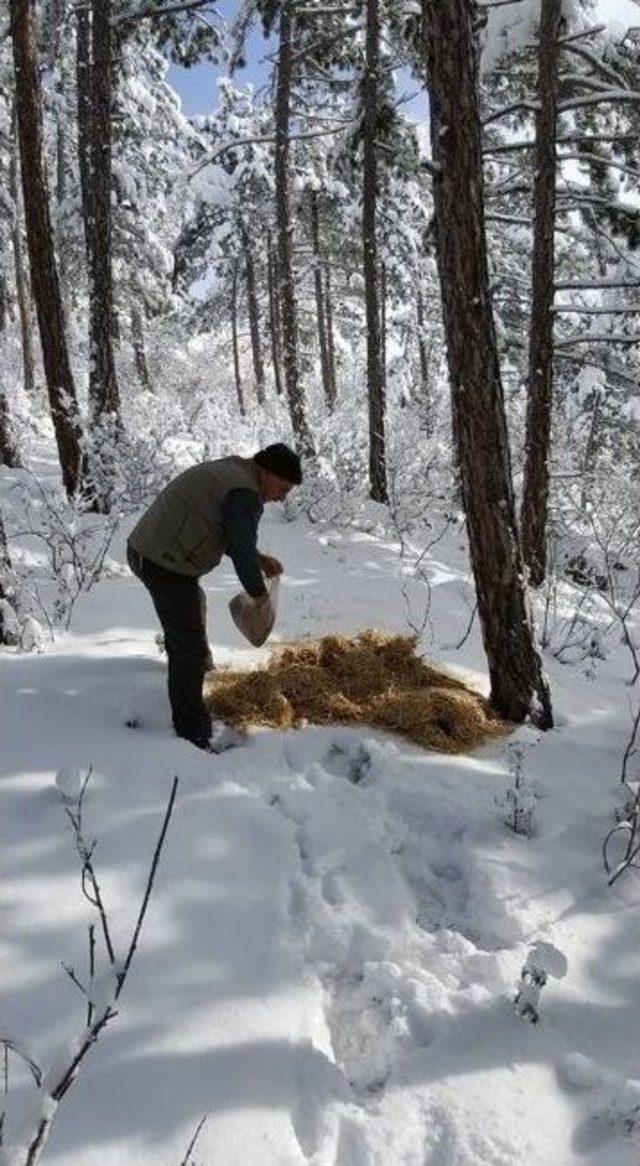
x: 139, y: 350
x: 9, y: 455
x: 423, y: 357
x: 515, y: 668
x: 6, y: 590
x: 44, y: 274
x: 274, y: 315
x: 56, y: 16
x: 535, y: 500
x: 103, y: 386
x: 83, y: 88
x: 286, y: 290
x: 234, y: 339
x: 328, y: 382
x: 254, y: 318
x: 375, y: 380
x: 331, y: 352
x: 21, y: 277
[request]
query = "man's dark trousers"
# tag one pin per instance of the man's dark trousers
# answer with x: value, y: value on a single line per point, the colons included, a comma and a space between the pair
x: 181, y: 608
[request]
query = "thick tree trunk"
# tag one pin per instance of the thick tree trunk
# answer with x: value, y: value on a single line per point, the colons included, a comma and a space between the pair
x: 328, y: 383
x: 535, y: 500
x: 286, y: 290
x: 21, y: 277
x: 375, y: 379
x: 103, y: 386
x: 44, y: 275
x: 477, y: 399
x: 274, y: 316
x: 254, y: 318
x: 139, y: 349
x: 234, y: 339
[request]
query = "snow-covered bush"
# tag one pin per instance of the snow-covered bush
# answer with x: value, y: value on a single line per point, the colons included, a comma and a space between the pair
x: 520, y: 797
x: 69, y: 549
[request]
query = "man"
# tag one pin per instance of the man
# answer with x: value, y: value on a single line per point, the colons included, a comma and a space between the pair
x: 210, y: 510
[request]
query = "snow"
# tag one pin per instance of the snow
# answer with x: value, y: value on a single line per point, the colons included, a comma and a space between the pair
x: 328, y: 966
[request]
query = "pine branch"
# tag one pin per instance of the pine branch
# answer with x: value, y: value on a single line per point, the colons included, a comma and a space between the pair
x: 580, y: 310
x: 588, y: 338
x: 610, y: 97
x: 598, y: 64
x: 170, y: 10
x: 584, y: 285
x: 517, y: 107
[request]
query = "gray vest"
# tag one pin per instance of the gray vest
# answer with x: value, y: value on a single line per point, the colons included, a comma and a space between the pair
x: 182, y: 530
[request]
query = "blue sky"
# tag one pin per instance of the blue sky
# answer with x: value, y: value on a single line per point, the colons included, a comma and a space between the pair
x: 198, y: 86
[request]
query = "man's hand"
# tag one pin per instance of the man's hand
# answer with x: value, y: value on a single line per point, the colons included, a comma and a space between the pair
x: 269, y: 566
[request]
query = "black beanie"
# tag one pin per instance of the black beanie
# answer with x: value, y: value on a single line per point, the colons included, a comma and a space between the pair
x: 281, y: 461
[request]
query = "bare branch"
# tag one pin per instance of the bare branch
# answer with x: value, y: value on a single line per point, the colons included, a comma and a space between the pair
x: 74, y: 979
x: 11, y: 1046
x: 145, y: 902
x: 190, y: 1147
x: 567, y: 40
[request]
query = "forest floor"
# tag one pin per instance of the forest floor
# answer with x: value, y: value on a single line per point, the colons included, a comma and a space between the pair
x: 328, y: 966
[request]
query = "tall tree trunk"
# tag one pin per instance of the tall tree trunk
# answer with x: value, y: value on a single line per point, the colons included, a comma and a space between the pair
x: 274, y: 314
x: 535, y: 500
x: 286, y: 290
x: 383, y: 327
x: 477, y: 398
x: 234, y: 339
x: 9, y: 455
x: 44, y: 274
x: 423, y: 358
x: 254, y: 317
x: 331, y: 352
x: 83, y: 89
x: 56, y: 16
x: 139, y: 349
x: 328, y: 386
x: 21, y: 277
x: 375, y: 380
x: 7, y: 597
x: 103, y: 386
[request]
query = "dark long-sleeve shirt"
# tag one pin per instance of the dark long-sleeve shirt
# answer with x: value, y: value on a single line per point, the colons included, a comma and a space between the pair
x: 241, y: 512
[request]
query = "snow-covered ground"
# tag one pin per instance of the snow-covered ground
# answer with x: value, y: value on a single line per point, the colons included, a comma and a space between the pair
x: 329, y: 961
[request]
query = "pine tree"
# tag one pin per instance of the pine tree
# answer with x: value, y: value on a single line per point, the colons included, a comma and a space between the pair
x: 472, y: 354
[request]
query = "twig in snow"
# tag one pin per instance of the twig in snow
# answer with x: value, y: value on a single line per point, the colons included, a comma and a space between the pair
x: 190, y: 1147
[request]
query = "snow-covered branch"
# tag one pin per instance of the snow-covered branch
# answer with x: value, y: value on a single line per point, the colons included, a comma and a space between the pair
x: 610, y: 96
x: 595, y: 338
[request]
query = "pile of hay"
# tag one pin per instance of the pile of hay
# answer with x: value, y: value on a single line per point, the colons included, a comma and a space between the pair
x: 372, y: 679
